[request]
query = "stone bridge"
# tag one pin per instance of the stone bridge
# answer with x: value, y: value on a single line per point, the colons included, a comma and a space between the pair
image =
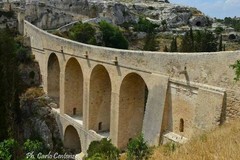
x: 105, y: 92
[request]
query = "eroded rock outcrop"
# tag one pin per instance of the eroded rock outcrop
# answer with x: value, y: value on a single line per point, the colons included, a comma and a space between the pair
x: 53, y: 13
x: 38, y: 119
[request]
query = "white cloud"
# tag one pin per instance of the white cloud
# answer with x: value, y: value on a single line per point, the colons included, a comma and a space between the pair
x: 234, y: 2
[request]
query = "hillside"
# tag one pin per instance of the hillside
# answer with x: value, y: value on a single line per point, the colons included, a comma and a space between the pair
x: 221, y: 143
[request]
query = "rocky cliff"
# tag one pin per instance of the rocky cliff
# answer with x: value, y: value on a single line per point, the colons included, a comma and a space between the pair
x: 55, y: 13
x: 38, y: 119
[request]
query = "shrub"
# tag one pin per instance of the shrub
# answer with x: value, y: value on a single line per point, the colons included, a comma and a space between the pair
x: 24, y: 55
x: 33, y: 146
x: 218, y: 30
x: 112, y: 36
x: 8, y: 14
x: 151, y: 43
x: 138, y: 149
x: 145, y: 25
x: 32, y: 93
x: 102, y: 150
x: 170, y: 147
x: 236, y: 67
x: 7, y: 148
x: 83, y: 32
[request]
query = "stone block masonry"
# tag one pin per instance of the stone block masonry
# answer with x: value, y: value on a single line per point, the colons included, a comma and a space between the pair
x: 149, y: 92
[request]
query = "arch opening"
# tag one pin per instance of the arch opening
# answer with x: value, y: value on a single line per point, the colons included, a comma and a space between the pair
x: 53, y: 79
x: 73, y: 103
x: 132, y: 105
x: 72, y: 140
x: 100, y: 100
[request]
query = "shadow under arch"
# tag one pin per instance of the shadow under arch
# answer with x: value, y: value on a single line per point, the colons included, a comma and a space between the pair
x: 72, y: 140
x: 73, y: 90
x: 53, y: 78
x: 132, y: 105
x: 100, y: 100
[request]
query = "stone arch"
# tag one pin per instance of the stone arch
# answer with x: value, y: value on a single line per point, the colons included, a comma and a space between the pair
x: 73, y: 102
x: 53, y: 77
x: 100, y: 100
x: 132, y: 103
x: 72, y: 140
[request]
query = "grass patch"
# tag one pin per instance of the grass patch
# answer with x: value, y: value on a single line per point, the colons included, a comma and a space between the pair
x: 222, y: 143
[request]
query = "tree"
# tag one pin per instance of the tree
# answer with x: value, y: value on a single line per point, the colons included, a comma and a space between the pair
x: 137, y: 149
x: 165, y: 49
x: 200, y: 41
x: 218, y: 30
x: 191, y: 37
x: 150, y: 43
x: 145, y: 25
x: 220, y: 47
x: 186, y: 43
x: 102, y: 150
x: 209, y: 42
x: 33, y: 145
x: 7, y: 149
x: 173, y: 47
x: 112, y: 36
x: 83, y: 32
x: 8, y: 81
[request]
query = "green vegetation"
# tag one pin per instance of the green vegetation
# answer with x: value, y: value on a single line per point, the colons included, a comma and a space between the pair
x: 24, y: 55
x: 170, y: 147
x: 218, y: 30
x: 232, y: 22
x: 165, y: 49
x: 151, y: 44
x: 102, y: 150
x: 8, y: 14
x: 33, y: 146
x: 236, y: 67
x: 83, y: 32
x: 8, y: 81
x: 138, y: 149
x: 145, y: 25
x: 199, y: 41
x: 12, y: 54
x: 173, y: 47
x: 112, y: 36
x: 7, y: 149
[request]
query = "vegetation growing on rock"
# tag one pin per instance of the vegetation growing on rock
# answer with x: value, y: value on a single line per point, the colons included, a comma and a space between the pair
x: 102, y: 150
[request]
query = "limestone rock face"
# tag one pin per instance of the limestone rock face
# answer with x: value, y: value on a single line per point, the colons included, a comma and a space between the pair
x: 198, y: 21
x: 5, y: 20
x: 45, y: 17
x: 39, y: 120
x: 53, y: 13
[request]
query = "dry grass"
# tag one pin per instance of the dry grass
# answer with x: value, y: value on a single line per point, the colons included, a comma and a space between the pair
x: 32, y: 93
x: 222, y: 143
x: 232, y: 46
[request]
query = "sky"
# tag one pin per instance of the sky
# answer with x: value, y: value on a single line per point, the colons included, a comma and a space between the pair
x: 214, y: 8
